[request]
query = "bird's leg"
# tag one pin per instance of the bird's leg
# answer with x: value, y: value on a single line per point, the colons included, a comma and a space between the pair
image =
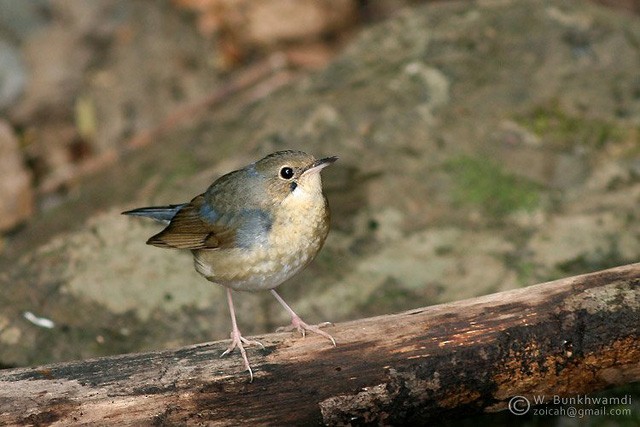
x: 298, y: 324
x: 237, y: 339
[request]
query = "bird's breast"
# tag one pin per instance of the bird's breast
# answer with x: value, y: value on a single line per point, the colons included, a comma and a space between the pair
x: 299, y: 229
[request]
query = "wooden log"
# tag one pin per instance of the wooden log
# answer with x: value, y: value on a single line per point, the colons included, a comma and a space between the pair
x: 571, y: 336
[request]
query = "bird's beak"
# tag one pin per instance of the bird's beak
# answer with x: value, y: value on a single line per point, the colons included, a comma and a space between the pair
x: 318, y: 165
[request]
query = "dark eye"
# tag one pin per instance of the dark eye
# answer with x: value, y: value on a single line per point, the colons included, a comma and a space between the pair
x: 286, y: 172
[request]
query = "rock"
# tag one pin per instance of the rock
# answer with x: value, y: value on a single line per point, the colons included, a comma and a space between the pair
x: 56, y: 60
x: 22, y: 18
x: 302, y: 28
x: 16, y: 194
x: 455, y: 124
x: 79, y: 106
x: 268, y: 22
x: 12, y: 75
x: 271, y: 21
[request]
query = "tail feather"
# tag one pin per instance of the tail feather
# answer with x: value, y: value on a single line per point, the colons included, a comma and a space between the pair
x: 163, y: 214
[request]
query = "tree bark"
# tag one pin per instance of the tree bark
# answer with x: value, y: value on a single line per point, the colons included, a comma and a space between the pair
x: 572, y: 336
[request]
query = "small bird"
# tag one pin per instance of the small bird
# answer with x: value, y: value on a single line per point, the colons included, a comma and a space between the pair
x: 252, y: 229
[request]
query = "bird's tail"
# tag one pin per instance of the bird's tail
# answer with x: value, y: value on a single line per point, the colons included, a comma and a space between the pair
x: 162, y: 214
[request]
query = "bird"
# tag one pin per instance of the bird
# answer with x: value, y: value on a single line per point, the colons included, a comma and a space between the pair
x: 251, y: 230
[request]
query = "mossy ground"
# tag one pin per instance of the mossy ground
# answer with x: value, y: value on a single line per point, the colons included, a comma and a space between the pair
x: 484, y: 183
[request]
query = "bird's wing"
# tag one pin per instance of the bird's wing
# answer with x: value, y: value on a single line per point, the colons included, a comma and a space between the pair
x: 190, y: 228
x: 197, y: 225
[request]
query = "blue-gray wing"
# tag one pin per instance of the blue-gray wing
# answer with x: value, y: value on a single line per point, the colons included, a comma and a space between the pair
x: 198, y: 225
x: 228, y: 215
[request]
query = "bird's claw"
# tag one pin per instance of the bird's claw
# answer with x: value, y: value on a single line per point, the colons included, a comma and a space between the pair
x: 299, y: 325
x: 237, y: 341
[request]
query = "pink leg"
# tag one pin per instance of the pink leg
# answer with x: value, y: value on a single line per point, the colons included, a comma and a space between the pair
x: 237, y: 339
x: 298, y: 324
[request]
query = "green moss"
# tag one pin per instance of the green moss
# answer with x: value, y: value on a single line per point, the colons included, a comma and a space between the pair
x: 526, y: 272
x: 561, y: 129
x: 482, y: 182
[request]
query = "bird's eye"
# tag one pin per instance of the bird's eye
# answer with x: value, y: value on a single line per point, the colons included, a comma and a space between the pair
x: 286, y: 172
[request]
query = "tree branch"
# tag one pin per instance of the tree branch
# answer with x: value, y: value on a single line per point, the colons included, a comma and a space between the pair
x: 571, y: 336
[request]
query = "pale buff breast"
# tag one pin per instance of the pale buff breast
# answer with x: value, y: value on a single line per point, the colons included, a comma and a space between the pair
x: 297, y: 234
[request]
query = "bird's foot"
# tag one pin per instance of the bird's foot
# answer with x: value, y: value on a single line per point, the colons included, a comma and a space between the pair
x: 299, y: 325
x: 237, y: 341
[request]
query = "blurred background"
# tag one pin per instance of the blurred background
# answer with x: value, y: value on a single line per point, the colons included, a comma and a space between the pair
x: 483, y: 146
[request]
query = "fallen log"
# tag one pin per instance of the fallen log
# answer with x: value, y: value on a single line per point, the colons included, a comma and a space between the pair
x: 572, y: 336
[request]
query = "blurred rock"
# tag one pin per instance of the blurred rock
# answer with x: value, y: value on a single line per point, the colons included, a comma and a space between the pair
x: 585, y: 240
x: 99, y: 73
x: 18, y: 19
x: 481, y: 146
x: 629, y: 5
x: 16, y: 194
x: 267, y: 22
x: 12, y: 75
x: 246, y: 26
x: 56, y: 60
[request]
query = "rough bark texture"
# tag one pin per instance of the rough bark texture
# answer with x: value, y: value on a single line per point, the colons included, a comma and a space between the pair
x: 575, y: 335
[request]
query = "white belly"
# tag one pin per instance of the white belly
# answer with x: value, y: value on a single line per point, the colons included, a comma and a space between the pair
x: 245, y: 270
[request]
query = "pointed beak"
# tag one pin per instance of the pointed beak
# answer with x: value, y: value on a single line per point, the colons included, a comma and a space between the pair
x: 320, y: 164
